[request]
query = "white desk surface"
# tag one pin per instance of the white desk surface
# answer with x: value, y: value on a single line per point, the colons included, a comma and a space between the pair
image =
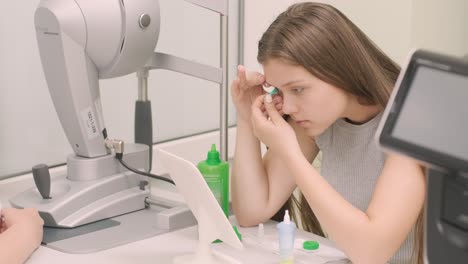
x: 163, y: 248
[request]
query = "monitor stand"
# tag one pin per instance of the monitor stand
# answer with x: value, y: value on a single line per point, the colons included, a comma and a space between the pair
x: 446, y: 225
x: 212, y: 223
x: 203, y: 253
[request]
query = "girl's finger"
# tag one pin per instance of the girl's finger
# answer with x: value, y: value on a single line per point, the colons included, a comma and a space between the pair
x: 235, y: 91
x: 258, y: 115
x: 273, y: 112
x: 254, y: 79
x: 241, y: 76
x: 277, y: 99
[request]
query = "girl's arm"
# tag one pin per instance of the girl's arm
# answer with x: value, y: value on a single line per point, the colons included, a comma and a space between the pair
x: 375, y: 235
x: 261, y: 186
x: 15, y: 246
x: 21, y: 234
x: 366, y: 237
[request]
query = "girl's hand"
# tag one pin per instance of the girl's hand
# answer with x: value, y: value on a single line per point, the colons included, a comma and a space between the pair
x: 27, y: 221
x: 244, y: 90
x: 270, y: 127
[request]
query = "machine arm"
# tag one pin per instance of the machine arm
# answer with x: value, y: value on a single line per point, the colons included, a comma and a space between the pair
x: 82, y: 41
x: 72, y: 79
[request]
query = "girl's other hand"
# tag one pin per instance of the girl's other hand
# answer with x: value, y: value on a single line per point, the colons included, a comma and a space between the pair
x: 270, y: 127
x: 244, y: 90
x: 26, y: 221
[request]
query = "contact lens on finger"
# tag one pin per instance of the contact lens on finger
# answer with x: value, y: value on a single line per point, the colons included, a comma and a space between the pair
x: 271, y: 90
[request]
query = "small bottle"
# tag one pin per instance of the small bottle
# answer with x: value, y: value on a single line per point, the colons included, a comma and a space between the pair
x: 216, y: 174
x: 286, y: 232
x: 261, y: 231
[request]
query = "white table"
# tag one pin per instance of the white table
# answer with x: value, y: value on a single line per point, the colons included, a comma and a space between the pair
x: 163, y: 248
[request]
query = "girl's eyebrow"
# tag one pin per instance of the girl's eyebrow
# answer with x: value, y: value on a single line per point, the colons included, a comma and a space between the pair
x: 281, y: 87
x: 291, y: 82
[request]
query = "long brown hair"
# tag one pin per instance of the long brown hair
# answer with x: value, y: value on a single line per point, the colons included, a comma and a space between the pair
x: 327, y: 44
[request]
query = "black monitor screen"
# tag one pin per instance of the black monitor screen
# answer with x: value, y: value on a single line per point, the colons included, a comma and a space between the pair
x: 427, y: 117
x: 434, y: 114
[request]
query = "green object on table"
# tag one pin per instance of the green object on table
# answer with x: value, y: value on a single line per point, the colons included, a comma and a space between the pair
x: 216, y: 174
x: 239, y: 235
x: 310, y: 245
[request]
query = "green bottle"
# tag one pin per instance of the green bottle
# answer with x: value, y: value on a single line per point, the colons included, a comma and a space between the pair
x: 216, y: 174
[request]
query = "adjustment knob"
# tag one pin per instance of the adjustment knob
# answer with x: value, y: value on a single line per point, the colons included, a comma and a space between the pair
x: 42, y: 179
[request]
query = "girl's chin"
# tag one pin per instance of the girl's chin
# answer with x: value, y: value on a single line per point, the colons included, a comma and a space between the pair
x: 314, y: 131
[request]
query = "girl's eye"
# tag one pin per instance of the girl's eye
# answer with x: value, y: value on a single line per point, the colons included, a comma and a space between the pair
x: 298, y: 90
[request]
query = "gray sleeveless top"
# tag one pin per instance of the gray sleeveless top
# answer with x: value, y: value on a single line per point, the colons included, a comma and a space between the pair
x: 352, y: 163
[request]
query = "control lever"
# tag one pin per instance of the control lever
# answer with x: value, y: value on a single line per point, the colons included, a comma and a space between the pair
x: 42, y: 179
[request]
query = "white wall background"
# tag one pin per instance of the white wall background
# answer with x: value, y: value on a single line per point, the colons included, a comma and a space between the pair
x: 30, y: 131
x: 395, y: 26
x: 385, y: 22
x: 440, y: 26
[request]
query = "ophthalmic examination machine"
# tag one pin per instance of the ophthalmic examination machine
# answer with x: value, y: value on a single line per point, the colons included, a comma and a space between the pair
x: 80, y: 42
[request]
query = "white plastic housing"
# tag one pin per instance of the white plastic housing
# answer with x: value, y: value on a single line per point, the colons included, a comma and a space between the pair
x: 212, y: 223
x: 83, y: 40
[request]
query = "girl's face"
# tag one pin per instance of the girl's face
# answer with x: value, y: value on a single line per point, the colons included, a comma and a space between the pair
x: 313, y: 104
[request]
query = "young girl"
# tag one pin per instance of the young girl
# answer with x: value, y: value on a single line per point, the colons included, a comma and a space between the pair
x: 334, y: 84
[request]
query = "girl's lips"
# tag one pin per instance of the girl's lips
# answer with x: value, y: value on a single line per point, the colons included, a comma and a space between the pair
x: 302, y: 122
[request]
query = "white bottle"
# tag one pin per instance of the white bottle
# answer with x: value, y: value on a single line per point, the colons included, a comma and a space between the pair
x: 286, y: 232
x: 261, y: 231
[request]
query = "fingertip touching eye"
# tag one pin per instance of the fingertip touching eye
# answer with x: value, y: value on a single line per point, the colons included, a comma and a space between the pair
x: 270, y: 89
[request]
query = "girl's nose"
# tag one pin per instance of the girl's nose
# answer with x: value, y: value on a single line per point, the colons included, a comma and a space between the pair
x: 288, y: 106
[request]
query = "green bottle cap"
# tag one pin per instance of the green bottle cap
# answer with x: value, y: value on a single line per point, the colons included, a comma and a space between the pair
x: 274, y: 91
x: 239, y: 235
x: 310, y: 245
x: 213, y: 156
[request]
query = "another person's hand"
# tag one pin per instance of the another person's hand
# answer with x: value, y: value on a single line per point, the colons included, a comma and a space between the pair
x: 270, y: 127
x: 244, y: 90
x: 26, y: 221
